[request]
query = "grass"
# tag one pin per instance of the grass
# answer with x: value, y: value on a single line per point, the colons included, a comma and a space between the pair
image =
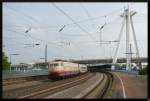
x: 111, y: 90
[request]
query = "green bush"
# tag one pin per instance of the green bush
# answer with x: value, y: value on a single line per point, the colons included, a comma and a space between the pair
x: 5, y: 63
x: 143, y: 71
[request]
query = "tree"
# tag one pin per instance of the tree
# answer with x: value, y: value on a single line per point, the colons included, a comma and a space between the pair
x: 5, y: 63
x: 143, y: 71
x: 134, y: 68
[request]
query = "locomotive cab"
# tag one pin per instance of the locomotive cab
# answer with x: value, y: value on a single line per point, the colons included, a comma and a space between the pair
x: 53, y: 66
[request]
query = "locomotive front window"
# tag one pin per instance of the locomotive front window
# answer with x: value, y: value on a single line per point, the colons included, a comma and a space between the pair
x: 61, y: 64
x: 51, y: 65
x: 56, y: 64
x: 83, y: 67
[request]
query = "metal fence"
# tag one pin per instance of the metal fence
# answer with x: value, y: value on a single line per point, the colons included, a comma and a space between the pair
x: 127, y: 71
x: 8, y: 73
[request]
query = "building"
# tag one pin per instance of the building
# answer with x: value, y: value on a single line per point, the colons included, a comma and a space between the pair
x: 20, y: 67
x: 40, y: 66
x: 144, y: 65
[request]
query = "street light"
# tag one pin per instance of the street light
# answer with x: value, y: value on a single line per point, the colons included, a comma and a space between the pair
x: 10, y: 58
x: 109, y: 42
x: 31, y: 45
x: 11, y: 55
x: 37, y: 44
x: 62, y: 28
x: 27, y: 30
x: 101, y: 32
x: 42, y: 58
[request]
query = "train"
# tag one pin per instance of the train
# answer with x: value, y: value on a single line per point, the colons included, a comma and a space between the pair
x: 63, y: 69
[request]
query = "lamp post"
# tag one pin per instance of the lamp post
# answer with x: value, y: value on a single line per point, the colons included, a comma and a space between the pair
x: 109, y: 42
x: 42, y: 58
x: 101, y: 33
x: 110, y: 47
x: 10, y: 58
x: 130, y: 65
x: 11, y: 55
x: 31, y: 45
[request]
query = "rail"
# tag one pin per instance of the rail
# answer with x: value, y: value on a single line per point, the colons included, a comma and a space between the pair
x: 17, y: 80
x: 100, y: 88
x: 57, y: 88
x: 13, y: 74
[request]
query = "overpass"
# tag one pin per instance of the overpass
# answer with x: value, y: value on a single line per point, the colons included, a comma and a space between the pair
x: 107, y: 61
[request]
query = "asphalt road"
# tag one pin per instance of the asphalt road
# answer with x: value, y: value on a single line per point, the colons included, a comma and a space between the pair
x: 135, y: 86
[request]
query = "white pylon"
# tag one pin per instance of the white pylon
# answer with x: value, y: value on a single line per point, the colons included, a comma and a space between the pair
x: 127, y: 15
x: 119, y: 38
x: 128, y: 57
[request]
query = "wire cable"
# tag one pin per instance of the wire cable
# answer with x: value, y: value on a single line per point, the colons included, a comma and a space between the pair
x: 86, y: 11
x: 30, y: 17
x: 73, y: 21
x: 81, y: 21
x: 23, y: 14
x: 52, y: 43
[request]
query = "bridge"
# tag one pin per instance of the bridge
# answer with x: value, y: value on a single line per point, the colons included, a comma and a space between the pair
x: 107, y: 61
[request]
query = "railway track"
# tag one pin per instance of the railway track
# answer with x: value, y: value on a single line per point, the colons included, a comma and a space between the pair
x: 98, y: 86
x: 57, y: 88
x: 98, y: 90
x: 17, y: 80
x: 28, y: 90
x: 102, y: 88
x: 95, y: 87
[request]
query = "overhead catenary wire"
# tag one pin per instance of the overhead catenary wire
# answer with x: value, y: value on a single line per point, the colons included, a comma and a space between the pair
x: 29, y: 35
x: 65, y: 34
x: 26, y: 31
x: 21, y: 13
x: 57, y: 26
x: 76, y: 45
x: 19, y: 33
x: 86, y: 11
x: 16, y: 41
x: 98, y: 17
x: 33, y: 27
x: 23, y: 34
x: 73, y: 21
x: 81, y: 21
x: 47, y: 42
x: 70, y: 35
x: 60, y: 31
x: 40, y: 39
x: 66, y: 24
x: 80, y: 34
x: 30, y: 17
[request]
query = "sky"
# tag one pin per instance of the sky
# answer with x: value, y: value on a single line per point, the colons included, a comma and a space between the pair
x: 79, y: 39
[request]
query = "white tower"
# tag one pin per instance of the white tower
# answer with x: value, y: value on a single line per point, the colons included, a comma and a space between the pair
x: 128, y: 57
x: 127, y: 16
